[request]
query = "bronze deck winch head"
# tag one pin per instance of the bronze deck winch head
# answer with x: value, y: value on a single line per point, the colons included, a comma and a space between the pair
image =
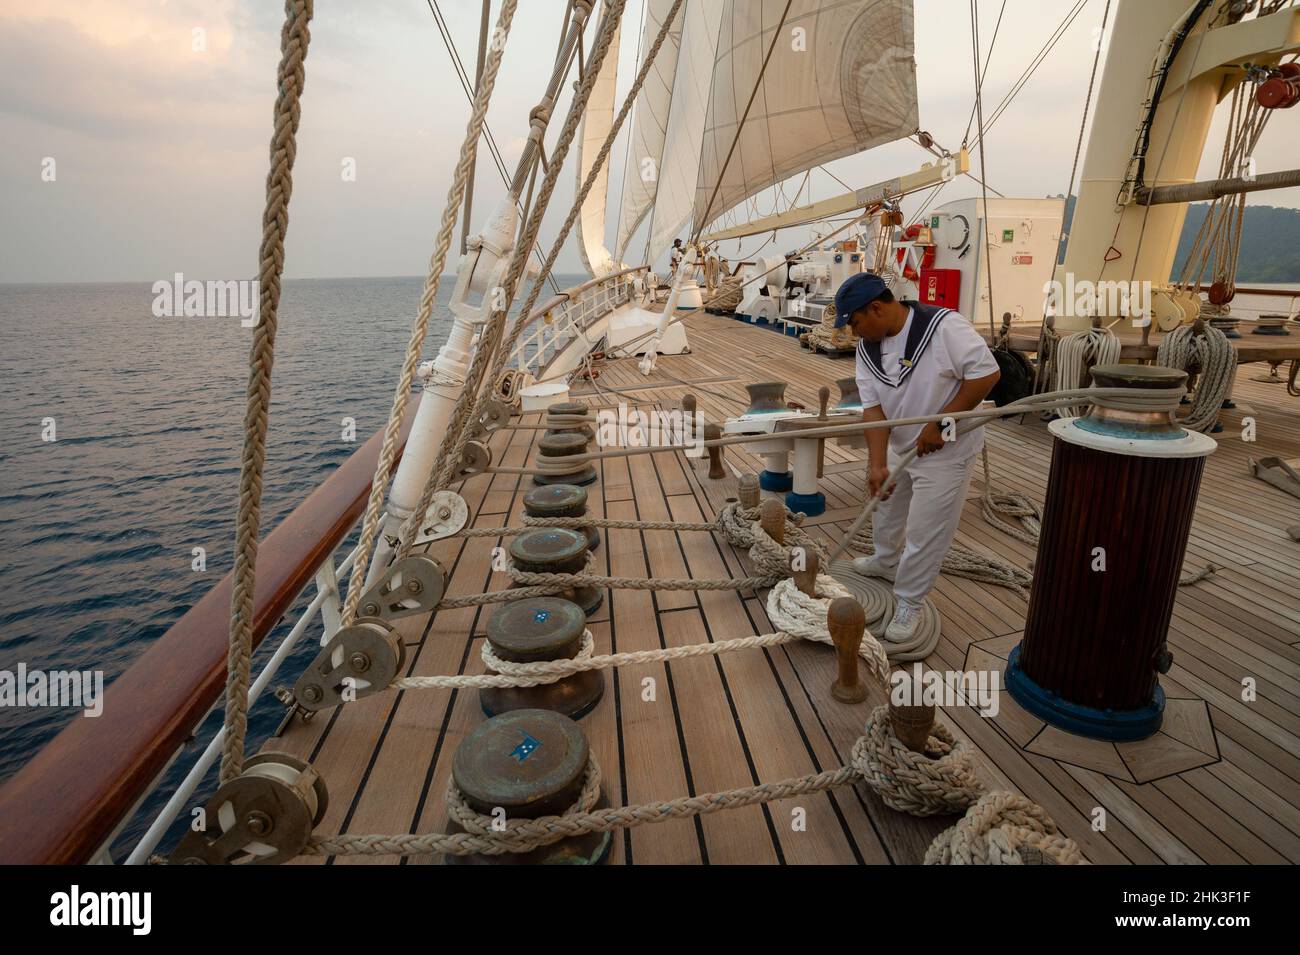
x: 564, y: 408
x: 560, y: 500
x: 849, y: 396
x: 527, y: 764
x: 562, y: 445
x: 766, y: 397
x: 530, y: 631
x: 1124, y: 423
x: 556, y: 550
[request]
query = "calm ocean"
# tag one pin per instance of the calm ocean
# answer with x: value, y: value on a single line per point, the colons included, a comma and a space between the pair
x: 97, y: 528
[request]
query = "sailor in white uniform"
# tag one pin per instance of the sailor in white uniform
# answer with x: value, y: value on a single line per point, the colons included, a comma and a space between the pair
x: 914, y: 359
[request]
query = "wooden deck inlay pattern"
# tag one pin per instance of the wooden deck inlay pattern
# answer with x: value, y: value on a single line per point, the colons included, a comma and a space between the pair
x: 1221, y: 783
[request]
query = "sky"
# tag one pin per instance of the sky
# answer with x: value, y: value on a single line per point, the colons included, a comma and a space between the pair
x: 157, y: 117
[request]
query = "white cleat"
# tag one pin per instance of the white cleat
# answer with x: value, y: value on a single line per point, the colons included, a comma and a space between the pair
x: 907, y: 617
x: 873, y: 567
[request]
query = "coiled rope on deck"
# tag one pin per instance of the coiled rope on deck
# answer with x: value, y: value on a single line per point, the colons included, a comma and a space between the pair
x: 1209, y: 352
x: 1003, y: 828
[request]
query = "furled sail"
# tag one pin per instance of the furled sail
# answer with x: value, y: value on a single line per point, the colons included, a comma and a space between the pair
x: 596, y: 123
x: 680, y: 164
x: 649, y: 122
x: 841, y: 79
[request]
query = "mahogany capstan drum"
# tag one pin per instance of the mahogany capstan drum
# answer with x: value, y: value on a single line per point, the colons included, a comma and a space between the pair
x: 1120, y: 500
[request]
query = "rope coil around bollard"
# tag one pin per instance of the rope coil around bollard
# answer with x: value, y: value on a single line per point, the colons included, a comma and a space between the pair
x: 794, y: 612
x: 935, y: 782
x: 773, y: 560
x: 1004, y: 828
x: 950, y: 788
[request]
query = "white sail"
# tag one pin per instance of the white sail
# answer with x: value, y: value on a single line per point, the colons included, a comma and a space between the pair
x: 649, y: 122
x: 596, y: 123
x: 841, y: 79
x: 680, y: 165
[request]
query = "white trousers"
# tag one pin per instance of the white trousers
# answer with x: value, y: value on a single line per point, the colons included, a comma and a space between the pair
x: 915, y: 527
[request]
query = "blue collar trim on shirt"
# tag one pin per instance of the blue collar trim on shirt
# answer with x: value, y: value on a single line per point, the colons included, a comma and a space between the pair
x: 924, y: 322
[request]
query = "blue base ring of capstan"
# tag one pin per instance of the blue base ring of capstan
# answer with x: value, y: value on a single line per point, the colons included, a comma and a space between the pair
x: 774, y: 481
x: 1115, y: 726
x: 811, y: 504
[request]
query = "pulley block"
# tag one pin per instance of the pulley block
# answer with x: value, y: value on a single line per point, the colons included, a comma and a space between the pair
x: 447, y: 515
x: 495, y: 416
x: 358, y: 661
x: 409, y: 586
x: 264, y: 816
x: 475, y: 459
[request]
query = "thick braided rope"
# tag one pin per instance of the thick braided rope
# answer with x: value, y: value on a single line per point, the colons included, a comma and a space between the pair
x: 531, y: 833
x: 1214, y: 357
x: 772, y: 559
x: 291, y: 75
x: 737, y: 524
x: 460, y: 812
x: 936, y: 782
x: 995, y: 830
x: 459, y: 431
x: 512, y: 339
x: 637, y: 583
x: 793, y: 611
x: 512, y: 674
x: 1077, y: 353
x: 962, y: 561
x: 999, y: 506
x: 420, y: 327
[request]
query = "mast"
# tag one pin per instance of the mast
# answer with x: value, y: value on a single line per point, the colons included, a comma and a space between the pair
x: 1113, y: 237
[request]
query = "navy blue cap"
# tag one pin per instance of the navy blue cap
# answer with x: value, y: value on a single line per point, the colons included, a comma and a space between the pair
x: 858, y: 291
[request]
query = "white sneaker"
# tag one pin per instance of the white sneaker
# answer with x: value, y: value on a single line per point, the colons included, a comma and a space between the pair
x: 874, y: 567
x: 907, y: 617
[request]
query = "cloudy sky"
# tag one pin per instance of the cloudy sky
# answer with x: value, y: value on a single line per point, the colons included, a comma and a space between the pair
x: 160, y: 149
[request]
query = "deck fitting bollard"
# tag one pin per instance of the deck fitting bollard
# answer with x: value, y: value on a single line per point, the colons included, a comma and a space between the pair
x: 806, y: 579
x: 771, y: 517
x: 567, y: 408
x: 556, y: 550
x: 913, y: 723
x: 561, y: 500
x: 523, y: 765
x: 533, y: 631
x: 847, y: 622
x: 749, y: 491
x: 553, y: 448
x: 716, y: 469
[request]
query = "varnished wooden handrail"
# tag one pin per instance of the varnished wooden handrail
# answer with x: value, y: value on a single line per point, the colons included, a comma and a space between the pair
x: 63, y: 805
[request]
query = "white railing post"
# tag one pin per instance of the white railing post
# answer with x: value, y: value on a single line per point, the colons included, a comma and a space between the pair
x: 331, y: 608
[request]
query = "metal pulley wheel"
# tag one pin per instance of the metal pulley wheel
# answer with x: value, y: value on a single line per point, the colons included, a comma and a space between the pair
x: 495, y: 416
x: 358, y: 661
x: 264, y: 816
x: 447, y: 515
x: 476, y: 458
x: 409, y: 586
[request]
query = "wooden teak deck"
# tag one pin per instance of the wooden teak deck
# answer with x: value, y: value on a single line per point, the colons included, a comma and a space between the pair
x: 1220, y: 783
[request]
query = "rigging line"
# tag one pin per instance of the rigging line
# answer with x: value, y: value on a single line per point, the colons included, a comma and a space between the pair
x: 979, y: 115
x: 450, y: 44
x: 988, y: 57
x: 833, y: 176
x: 1083, y: 122
x: 1037, y: 61
x: 627, y: 151
x: 758, y: 83
x: 1164, y: 151
x: 484, y: 26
